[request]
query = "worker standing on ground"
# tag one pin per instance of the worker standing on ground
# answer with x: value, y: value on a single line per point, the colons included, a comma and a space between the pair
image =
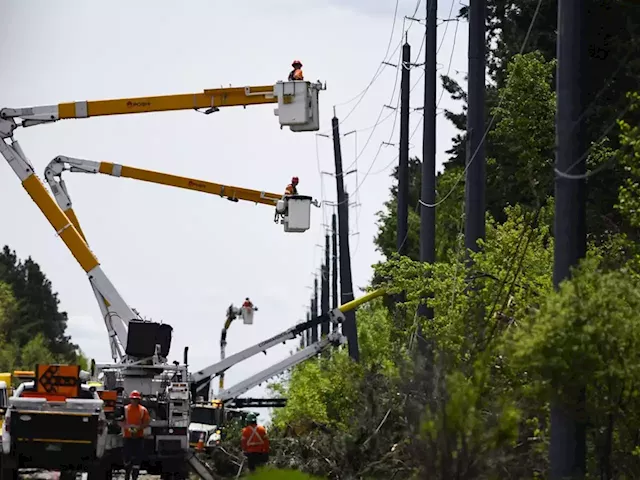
x: 292, y: 188
x: 255, y: 443
x: 296, y: 73
x: 136, y: 419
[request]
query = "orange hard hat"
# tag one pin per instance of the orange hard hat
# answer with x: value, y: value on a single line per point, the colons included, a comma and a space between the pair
x: 135, y: 394
x: 294, y: 180
x: 296, y: 62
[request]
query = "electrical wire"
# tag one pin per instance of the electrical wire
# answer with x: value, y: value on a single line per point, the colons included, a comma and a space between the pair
x: 362, y: 94
x: 583, y: 157
x: 486, y: 132
x: 378, y: 122
x: 438, y: 103
x: 446, y: 28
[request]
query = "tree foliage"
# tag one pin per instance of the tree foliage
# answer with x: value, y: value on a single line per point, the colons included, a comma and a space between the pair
x: 37, y: 310
x: 473, y: 401
x: 32, y: 329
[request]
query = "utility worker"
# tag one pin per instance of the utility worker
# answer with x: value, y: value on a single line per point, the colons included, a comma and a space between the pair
x: 247, y: 303
x: 136, y: 419
x: 255, y: 443
x: 296, y: 73
x: 292, y: 187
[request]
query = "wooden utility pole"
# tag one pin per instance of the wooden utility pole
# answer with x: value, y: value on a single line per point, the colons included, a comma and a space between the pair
x: 428, y: 191
x: 568, y: 429
x: 403, y: 166
x: 314, y: 310
x: 346, y: 282
x: 324, y: 297
x: 476, y: 171
x: 335, y: 294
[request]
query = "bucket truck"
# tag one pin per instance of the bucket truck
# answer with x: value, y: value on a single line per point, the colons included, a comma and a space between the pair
x: 215, y: 413
x: 139, y: 347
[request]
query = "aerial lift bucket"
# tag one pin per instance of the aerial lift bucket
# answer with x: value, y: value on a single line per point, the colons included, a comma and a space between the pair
x: 247, y: 315
x: 298, y: 105
x: 298, y: 216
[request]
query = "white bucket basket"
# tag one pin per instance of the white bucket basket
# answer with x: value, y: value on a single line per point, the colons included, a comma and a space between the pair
x: 298, y: 105
x: 247, y: 315
x: 298, y: 217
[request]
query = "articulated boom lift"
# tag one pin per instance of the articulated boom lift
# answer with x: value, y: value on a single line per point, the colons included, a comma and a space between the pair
x: 207, y: 426
x: 293, y: 211
x: 297, y: 108
x: 140, y: 347
x: 200, y: 379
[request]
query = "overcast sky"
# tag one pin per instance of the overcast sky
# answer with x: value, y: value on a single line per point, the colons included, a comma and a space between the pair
x: 182, y: 257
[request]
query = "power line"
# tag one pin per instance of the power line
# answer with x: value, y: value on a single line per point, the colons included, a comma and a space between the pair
x: 362, y: 94
x: 602, y: 167
x: 420, y: 121
x: 486, y: 132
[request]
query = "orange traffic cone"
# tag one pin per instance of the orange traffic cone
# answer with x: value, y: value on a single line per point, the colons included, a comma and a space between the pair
x: 200, y: 445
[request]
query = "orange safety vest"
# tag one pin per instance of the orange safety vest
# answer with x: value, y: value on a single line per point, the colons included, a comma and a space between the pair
x: 135, y: 416
x: 255, y: 439
x: 296, y: 74
x: 291, y: 190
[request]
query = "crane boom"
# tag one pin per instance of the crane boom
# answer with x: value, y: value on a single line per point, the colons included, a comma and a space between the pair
x: 117, y: 318
x: 62, y: 163
x: 297, y: 104
x: 294, y: 220
x: 297, y: 108
x: 334, y: 338
x: 200, y: 379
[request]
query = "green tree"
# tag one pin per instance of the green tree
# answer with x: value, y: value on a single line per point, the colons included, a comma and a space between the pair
x: 629, y: 192
x: 587, y: 334
x: 38, y: 305
x: 523, y: 136
x: 8, y: 308
x: 34, y: 352
x: 449, y: 214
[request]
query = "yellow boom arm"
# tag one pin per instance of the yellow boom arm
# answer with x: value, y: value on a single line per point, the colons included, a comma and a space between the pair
x: 53, y: 175
x: 297, y: 105
x: 297, y: 109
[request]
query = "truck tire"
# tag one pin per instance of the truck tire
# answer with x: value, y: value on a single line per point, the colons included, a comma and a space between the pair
x: 8, y: 468
x: 101, y: 470
x: 8, y: 473
x: 181, y: 473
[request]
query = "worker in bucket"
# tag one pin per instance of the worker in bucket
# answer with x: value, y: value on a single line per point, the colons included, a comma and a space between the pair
x: 296, y: 73
x: 292, y: 188
x: 255, y: 443
x: 136, y: 419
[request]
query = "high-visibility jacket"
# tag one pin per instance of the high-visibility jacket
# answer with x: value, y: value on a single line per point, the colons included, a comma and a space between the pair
x: 291, y: 190
x: 296, y: 74
x: 247, y: 304
x: 255, y: 439
x: 137, y: 416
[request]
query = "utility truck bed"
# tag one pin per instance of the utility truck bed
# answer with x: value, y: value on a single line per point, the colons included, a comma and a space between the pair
x: 53, y: 431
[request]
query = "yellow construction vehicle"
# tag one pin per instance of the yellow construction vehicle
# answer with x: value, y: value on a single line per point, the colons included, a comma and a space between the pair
x: 297, y: 108
x: 140, y: 348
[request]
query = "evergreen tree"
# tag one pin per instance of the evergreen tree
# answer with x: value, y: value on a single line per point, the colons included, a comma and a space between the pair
x: 37, y: 310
